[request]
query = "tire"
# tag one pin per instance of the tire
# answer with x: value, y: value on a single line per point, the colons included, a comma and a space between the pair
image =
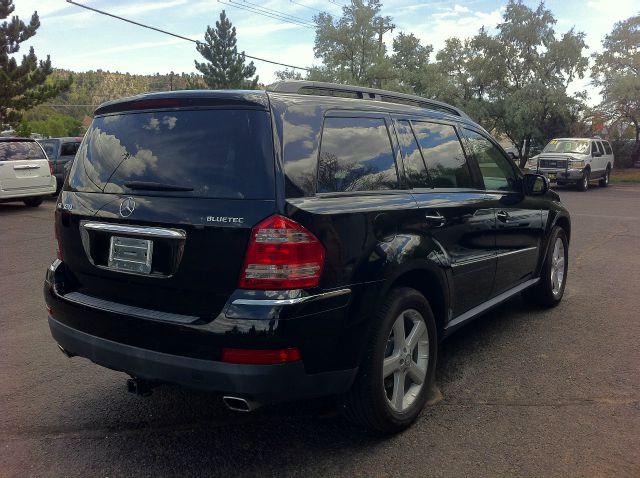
x: 604, y: 182
x: 583, y: 182
x: 32, y: 202
x: 371, y: 403
x: 549, y: 290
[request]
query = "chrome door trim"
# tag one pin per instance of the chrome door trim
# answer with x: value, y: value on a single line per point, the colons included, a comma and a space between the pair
x: 517, y: 251
x: 26, y: 166
x: 157, y: 232
x: 295, y: 300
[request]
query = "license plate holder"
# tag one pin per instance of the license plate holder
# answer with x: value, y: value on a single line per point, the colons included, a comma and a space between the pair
x: 552, y: 177
x: 130, y: 254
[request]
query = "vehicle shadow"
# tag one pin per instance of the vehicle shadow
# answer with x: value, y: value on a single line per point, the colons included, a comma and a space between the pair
x: 191, y: 431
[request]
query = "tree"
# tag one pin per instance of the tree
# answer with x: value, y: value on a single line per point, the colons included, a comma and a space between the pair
x: 617, y: 72
x: 288, y: 74
x: 24, y: 85
x: 225, y: 67
x: 351, y: 47
x: 516, y: 81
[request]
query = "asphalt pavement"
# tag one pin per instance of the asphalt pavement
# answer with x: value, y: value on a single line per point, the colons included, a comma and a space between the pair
x: 526, y: 392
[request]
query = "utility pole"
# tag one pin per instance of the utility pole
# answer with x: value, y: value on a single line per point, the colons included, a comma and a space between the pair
x: 171, y: 81
x: 384, y: 26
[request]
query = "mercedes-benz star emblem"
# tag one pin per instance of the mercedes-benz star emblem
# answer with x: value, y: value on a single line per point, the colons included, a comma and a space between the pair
x: 127, y: 207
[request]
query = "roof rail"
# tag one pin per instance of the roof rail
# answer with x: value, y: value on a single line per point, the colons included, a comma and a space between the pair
x: 319, y: 88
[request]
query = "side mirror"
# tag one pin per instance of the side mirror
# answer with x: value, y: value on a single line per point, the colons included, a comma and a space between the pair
x: 535, y: 184
x: 596, y: 154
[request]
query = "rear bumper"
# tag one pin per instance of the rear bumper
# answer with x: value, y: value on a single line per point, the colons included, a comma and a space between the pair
x: 263, y: 383
x: 17, y: 194
x: 172, y: 348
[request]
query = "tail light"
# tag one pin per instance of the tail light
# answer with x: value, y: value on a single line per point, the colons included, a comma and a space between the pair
x: 56, y: 229
x: 282, y: 254
x: 50, y: 167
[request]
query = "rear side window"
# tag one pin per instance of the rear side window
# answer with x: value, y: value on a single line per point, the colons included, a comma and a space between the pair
x: 607, y: 147
x: 207, y: 153
x: 20, y: 150
x: 443, y: 154
x: 356, y: 155
x: 600, y: 148
x: 414, y: 167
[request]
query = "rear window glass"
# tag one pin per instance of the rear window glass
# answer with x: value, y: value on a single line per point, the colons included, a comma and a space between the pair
x: 69, y: 149
x: 204, y: 153
x: 20, y: 150
x: 414, y: 167
x: 443, y: 154
x: 607, y: 147
x: 50, y: 147
x: 356, y: 155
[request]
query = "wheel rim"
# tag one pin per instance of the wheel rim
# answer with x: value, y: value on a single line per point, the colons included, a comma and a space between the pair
x: 557, y: 267
x: 585, y: 180
x: 606, y: 177
x: 404, y: 368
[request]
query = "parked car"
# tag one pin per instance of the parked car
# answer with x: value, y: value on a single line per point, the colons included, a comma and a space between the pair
x: 575, y: 161
x: 25, y: 172
x: 305, y: 241
x: 60, y: 151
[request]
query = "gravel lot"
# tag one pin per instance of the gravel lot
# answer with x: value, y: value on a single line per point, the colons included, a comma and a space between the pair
x: 526, y: 392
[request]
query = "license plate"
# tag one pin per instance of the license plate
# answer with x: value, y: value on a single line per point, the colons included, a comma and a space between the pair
x: 129, y: 254
x: 552, y: 177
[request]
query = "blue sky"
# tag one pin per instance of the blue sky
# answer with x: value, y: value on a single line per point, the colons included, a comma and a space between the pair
x: 80, y: 40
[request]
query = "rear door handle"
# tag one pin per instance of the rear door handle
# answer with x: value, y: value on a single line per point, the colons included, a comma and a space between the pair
x: 435, y: 219
x: 503, y: 216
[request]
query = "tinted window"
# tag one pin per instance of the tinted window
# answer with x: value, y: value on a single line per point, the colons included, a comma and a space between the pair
x: 356, y: 155
x: 443, y: 155
x: 217, y: 153
x: 607, y: 147
x: 20, y: 150
x: 495, y: 167
x: 69, y: 149
x: 414, y: 167
x: 600, y: 148
x: 51, y: 148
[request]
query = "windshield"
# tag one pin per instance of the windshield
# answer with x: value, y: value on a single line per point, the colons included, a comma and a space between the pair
x: 203, y: 153
x: 579, y: 146
x: 20, y: 150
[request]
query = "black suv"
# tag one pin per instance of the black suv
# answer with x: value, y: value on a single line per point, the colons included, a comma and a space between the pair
x: 308, y: 240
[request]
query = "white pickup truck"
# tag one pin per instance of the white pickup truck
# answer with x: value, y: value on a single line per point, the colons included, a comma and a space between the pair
x: 575, y: 161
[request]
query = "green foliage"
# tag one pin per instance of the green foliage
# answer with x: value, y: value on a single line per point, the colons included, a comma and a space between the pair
x: 617, y: 72
x: 225, y: 67
x: 56, y: 126
x: 288, y: 74
x: 22, y: 85
x: 623, y: 152
x: 351, y: 47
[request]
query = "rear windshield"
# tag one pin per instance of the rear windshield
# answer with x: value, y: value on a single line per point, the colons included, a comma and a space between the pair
x: 203, y: 153
x: 20, y: 150
x: 50, y: 147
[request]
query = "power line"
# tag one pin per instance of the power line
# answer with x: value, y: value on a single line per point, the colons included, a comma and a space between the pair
x: 273, y: 11
x: 178, y: 36
x: 246, y: 6
x: 307, y: 6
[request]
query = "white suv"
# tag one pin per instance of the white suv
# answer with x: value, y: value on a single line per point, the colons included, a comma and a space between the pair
x: 25, y: 172
x: 575, y: 161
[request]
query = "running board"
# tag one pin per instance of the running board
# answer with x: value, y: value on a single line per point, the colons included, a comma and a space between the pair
x: 488, y: 305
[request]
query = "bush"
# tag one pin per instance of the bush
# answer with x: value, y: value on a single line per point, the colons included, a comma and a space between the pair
x: 623, y: 152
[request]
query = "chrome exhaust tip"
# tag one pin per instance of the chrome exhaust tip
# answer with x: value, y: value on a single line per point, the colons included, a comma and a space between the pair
x: 239, y: 404
x: 65, y: 352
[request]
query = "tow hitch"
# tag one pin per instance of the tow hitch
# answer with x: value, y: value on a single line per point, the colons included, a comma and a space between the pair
x: 140, y: 387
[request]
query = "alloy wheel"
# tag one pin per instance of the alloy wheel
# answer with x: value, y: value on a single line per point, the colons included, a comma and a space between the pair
x: 406, y: 360
x: 557, y: 267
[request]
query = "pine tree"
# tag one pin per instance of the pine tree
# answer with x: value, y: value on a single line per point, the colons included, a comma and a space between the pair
x: 24, y: 85
x: 225, y: 67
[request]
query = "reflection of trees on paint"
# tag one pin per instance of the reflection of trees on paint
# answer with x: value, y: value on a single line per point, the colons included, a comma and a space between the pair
x: 336, y: 176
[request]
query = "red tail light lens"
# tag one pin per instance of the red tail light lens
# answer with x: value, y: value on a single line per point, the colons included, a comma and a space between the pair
x: 261, y: 357
x: 282, y: 254
x: 50, y: 167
